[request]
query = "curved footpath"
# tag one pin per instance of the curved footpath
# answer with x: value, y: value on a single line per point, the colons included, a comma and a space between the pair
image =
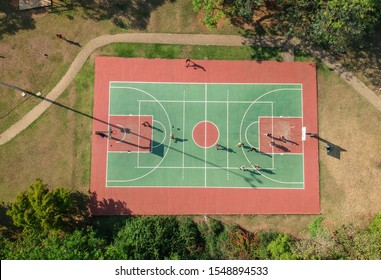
x: 184, y: 39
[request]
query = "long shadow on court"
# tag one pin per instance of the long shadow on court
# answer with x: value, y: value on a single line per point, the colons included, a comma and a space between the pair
x: 268, y: 171
x: 335, y: 150
x: 109, y: 205
x: 77, y: 112
x: 158, y: 129
x: 157, y: 149
x: 239, y: 174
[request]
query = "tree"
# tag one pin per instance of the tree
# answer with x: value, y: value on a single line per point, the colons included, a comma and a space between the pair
x: 343, y: 23
x: 240, y: 245
x: 41, y: 210
x: 280, y: 248
x: 78, y: 245
x: 215, y: 10
x: 333, y: 24
x: 216, y: 238
x: 367, y: 242
x: 148, y: 238
x: 193, y: 242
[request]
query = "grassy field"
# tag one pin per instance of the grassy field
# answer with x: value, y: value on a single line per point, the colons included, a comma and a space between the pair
x: 57, y: 146
x: 34, y: 59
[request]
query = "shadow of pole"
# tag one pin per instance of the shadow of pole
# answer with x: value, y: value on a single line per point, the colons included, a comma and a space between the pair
x: 333, y: 150
x: 102, y: 121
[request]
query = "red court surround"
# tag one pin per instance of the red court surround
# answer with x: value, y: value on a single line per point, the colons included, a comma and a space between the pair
x: 181, y: 201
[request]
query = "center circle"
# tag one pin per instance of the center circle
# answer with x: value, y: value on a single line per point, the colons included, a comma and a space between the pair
x: 205, y: 134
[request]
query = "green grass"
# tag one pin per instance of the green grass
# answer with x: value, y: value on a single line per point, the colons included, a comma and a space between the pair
x: 195, y: 52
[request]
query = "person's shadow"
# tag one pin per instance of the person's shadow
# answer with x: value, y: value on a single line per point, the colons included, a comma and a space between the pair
x: 72, y: 42
x: 223, y: 148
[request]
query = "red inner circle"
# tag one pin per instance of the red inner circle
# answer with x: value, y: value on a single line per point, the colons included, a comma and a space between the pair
x: 205, y: 134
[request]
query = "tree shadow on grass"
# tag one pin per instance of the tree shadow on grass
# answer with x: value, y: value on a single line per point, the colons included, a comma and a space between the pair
x: 133, y: 14
x: 12, y: 20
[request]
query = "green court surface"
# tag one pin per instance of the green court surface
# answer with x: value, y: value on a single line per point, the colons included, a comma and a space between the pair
x: 234, y: 111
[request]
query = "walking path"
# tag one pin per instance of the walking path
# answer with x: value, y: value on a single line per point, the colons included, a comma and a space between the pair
x: 184, y: 39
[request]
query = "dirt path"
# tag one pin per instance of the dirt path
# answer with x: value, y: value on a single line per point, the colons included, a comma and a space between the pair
x: 185, y: 39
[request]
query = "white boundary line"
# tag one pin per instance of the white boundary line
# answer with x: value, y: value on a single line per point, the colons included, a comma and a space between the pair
x: 203, y: 101
x: 197, y: 167
x: 183, y: 173
x: 138, y: 160
x: 210, y: 187
x: 227, y: 135
x: 302, y: 126
x: 206, y: 118
x: 194, y: 83
x: 108, y: 128
x: 252, y: 102
x: 272, y: 133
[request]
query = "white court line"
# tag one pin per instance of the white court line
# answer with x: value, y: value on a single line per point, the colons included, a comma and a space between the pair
x: 166, y: 152
x: 256, y: 101
x: 227, y: 135
x: 183, y: 173
x: 247, y: 140
x: 301, y: 93
x: 209, y: 101
x: 124, y: 133
x: 108, y: 127
x: 272, y: 133
x: 139, y: 135
x: 206, y: 115
x: 195, y: 83
x: 244, y: 116
x: 165, y: 134
x: 189, y: 167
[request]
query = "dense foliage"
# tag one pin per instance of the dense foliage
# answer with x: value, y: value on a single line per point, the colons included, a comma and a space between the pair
x: 41, y: 210
x: 334, y: 24
x: 44, y: 230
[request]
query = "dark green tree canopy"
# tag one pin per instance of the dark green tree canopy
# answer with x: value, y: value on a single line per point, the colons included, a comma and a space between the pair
x: 41, y: 210
x: 333, y: 24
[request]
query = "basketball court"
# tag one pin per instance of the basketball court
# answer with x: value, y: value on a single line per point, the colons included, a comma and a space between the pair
x: 171, y: 133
